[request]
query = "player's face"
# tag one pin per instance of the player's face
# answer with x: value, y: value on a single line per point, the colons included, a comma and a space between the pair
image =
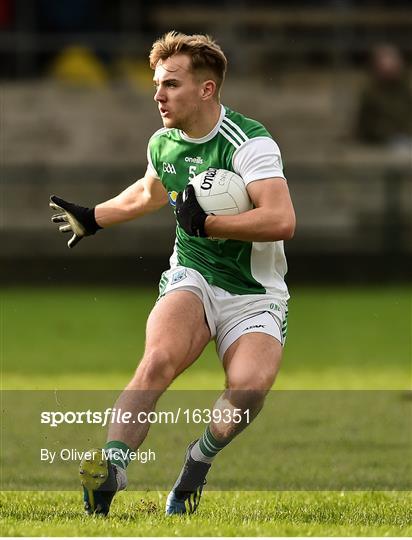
x: 178, y: 92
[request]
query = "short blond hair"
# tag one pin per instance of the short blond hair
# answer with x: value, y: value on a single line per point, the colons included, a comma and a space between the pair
x: 204, y: 52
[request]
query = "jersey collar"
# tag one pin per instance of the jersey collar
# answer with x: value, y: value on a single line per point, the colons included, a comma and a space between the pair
x: 210, y: 135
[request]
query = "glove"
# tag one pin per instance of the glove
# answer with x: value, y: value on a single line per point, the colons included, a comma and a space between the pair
x: 189, y: 213
x: 78, y: 219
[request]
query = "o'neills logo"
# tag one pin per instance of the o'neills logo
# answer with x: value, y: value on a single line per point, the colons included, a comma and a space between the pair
x: 208, y: 179
x: 197, y: 160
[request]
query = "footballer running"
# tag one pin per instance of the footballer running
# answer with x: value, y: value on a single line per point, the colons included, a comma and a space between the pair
x: 226, y: 277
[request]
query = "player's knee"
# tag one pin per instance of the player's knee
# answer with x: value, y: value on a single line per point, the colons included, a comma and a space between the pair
x: 156, y: 370
x: 256, y: 383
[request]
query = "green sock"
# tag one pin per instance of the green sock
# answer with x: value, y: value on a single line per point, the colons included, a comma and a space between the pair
x: 207, y: 447
x: 119, y: 453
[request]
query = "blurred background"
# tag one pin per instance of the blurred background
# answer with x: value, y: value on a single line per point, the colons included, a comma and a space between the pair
x: 331, y: 80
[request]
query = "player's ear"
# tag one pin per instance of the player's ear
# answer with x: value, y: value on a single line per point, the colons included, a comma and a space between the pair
x: 208, y: 89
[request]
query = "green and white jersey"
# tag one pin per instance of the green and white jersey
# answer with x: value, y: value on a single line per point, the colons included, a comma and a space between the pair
x: 245, y: 147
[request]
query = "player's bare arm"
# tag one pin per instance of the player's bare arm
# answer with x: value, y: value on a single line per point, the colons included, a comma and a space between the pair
x: 143, y: 197
x: 272, y: 218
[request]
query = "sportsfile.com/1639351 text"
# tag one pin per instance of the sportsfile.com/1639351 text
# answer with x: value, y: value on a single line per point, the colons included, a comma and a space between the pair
x: 118, y: 416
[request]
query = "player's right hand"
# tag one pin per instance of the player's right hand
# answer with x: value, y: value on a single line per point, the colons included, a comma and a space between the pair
x: 76, y: 219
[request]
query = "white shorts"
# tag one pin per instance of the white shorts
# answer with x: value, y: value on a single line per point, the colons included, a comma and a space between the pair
x: 228, y: 315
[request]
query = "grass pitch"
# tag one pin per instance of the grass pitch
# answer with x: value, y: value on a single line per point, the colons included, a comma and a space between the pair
x: 220, y: 514
x: 74, y: 338
x: 92, y: 338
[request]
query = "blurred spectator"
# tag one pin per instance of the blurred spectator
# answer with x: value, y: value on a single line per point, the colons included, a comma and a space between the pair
x: 79, y: 66
x: 385, y: 112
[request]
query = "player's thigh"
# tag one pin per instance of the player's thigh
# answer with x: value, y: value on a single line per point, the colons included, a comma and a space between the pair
x: 177, y: 325
x: 252, y: 362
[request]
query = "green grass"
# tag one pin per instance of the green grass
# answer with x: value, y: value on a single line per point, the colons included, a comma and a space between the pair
x: 221, y: 514
x: 92, y: 338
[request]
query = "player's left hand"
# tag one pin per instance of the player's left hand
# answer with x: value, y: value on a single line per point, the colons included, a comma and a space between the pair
x: 189, y: 213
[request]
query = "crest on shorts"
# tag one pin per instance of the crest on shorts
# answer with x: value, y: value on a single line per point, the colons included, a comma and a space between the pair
x: 178, y: 276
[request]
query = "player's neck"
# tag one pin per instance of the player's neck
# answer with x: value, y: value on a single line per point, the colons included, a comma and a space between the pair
x: 205, y: 122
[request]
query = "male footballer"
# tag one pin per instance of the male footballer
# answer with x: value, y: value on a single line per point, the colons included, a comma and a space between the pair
x: 226, y: 275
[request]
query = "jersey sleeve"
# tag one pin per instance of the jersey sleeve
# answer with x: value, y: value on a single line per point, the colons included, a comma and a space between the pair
x: 258, y: 158
x: 150, y: 167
